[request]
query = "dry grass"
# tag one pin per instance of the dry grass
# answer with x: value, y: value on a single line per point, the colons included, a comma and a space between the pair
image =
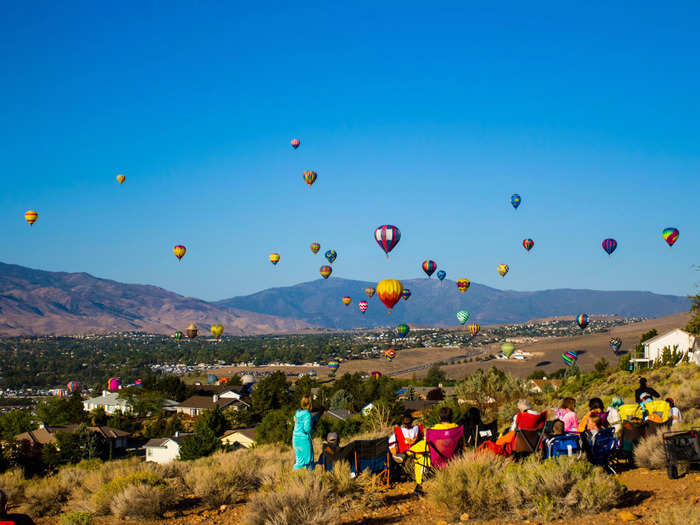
x: 649, y: 453
x: 681, y: 514
x: 142, y: 502
x: 489, y: 486
x: 104, y: 497
x: 12, y: 484
x: 45, y: 497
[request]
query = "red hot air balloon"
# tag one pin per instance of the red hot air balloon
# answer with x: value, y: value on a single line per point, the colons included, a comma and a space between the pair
x: 429, y: 267
x: 295, y: 143
x: 528, y: 244
x: 326, y: 271
x: 363, y: 305
x: 609, y: 245
x: 387, y: 237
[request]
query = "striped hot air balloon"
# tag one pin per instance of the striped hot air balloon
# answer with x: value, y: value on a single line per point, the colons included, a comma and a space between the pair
x: 31, y: 216
x: 582, y: 320
x: 473, y: 328
x: 403, y: 330
x: 609, y: 245
x: 670, y: 235
x: 72, y: 386
x: 503, y: 269
x: 333, y: 365
x: 375, y: 374
x: 528, y: 244
x: 569, y: 358
x: 390, y: 354
x: 114, y: 384
x: 325, y: 271
x: 463, y: 285
x: 363, y: 305
x: 178, y: 335
x: 179, y: 251
x: 387, y: 237
x: 406, y: 294
x: 309, y: 177
x: 429, y: 267
x: 389, y: 292
x: 347, y: 300
x: 462, y: 316
x: 315, y: 247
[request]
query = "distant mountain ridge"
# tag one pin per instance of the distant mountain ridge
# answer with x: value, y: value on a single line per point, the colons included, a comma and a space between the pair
x: 37, y: 302
x: 435, y: 303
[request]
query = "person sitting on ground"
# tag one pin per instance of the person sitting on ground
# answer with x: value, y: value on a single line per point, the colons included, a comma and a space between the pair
x: 420, y: 448
x: 567, y: 414
x: 595, y: 406
x: 410, y: 434
x: 674, y: 414
x: 644, y: 389
x: 329, y: 447
x: 614, y: 418
x: 17, y: 519
x: 523, y: 406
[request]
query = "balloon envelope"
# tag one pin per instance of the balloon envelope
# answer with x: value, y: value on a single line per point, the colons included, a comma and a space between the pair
x: 72, y: 386
x: 315, y: 247
x: 463, y: 285
x: 333, y: 365
x: 192, y: 331
x: 347, y: 300
x: 387, y: 237
x: 503, y: 269
x: 429, y: 267
x: 670, y: 235
x: 363, y: 305
x: 331, y: 256
x: 441, y: 274
x: 462, y: 316
x: 402, y: 330
x: 405, y: 294
x: 178, y: 335
x: 515, y: 200
x: 295, y: 143
x: 274, y: 258
x: 309, y: 177
x: 582, y: 320
x: 609, y: 245
x: 508, y: 349
x: 473, y: 328
x: 615, y: 343
x: 369, y: 291
x: 325, y: 271
x: 31, y: 216
x: 113, y: 384
x: 569, y: 358
x: 390, y: 354
x: 121, y: 178
x: 217, y: 330
x: 389, y: 292
x: 375, y: 375
x: 179, y: 251
x: 528, y: 244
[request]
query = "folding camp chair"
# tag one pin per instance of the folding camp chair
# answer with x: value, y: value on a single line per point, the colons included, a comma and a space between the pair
x: 373, y: 455
x: 602, y: 447
x: 400, y: 441
x: 563, y: 445
x: 475, y: 435
x: 440, y: 447
x: 529, y: 433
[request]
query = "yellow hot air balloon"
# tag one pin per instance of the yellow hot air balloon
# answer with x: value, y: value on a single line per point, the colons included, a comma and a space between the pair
x: 463, y: 284
x: 347, y: 300
x: 389, y: 292
x: 473, y: 328
x: 179, y: 251
x: 217, y: 330
x: 121, y: 178
x: 503, y: 269
x: 31, y: 216
x: 274, y: 258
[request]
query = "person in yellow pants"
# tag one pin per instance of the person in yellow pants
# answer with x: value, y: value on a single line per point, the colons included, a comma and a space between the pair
x: 419, y: 449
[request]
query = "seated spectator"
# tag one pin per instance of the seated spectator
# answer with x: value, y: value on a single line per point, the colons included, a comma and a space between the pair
x: 16, y: 519
x: 595, y: 406
x: 675, y: 414
x: 567, y: 414
x: 614, y: 418
x: 404, y: 437
x: 420, y: 448
x: 594, y: 423
x: 558, y: 428
x: 523, y: 406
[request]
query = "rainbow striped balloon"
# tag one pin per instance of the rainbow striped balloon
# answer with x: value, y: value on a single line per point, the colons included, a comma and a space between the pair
x: 309, y: 177
x: 429, y: 267
x: 582, y: 320
x: 569, y: 358
x: 390, y: 354
x: 670, y: 236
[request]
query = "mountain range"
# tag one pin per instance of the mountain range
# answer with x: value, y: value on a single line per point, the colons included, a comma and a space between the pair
x: 37, y: 302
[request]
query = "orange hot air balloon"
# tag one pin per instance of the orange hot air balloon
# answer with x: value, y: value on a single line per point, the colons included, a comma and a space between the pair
x: 389, y: 292
x: 121, y: 178
x: 315, y: 247
x: 179, y: 251
x: 309, y: 177
x: 31, y: 216
x: 463, y: 284
x: 347, y: 300
x: 295, y: 143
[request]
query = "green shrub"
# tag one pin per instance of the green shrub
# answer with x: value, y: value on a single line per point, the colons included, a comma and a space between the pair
x: 103, y: 497
x: 45, y: 497
x: 77, y: 518
x: 142, y: 501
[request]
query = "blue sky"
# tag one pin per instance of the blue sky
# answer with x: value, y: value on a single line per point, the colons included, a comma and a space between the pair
x: 421, y: 116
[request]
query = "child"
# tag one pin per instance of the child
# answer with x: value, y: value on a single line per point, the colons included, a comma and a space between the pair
x: 567, y: 414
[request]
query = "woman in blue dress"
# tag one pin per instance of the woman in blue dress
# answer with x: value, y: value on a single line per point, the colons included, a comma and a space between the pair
x: 304, y: 423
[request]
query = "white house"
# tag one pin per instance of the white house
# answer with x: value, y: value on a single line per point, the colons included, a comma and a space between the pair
x: 244, y: 437
x: 109, y: 401
x: 164, y: 450
x: 680, y: 340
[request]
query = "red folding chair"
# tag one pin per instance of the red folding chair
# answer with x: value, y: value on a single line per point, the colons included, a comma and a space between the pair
x: 401, y: 445
x: 529, y: 433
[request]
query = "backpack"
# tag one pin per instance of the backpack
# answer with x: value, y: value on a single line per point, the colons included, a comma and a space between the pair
x: 564, y: 445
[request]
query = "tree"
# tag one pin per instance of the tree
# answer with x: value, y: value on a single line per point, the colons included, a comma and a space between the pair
x: 143, y: 402
x: 271, y: 393
x: 275, y: 427
x: 199, y: 444
x: 342, y: 400
x: 15, y: 422
x: 435, y: 376
x: 601, y: 366
x: 693, y: 325
x: 57, y: 411
x: 484, y: 388
x: 213, y: 419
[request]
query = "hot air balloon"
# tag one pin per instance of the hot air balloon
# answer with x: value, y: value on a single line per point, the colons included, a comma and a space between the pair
x: 402, y: 330
x: 390, y: 354
x: 615, y: 344
x: 72, y: 386
x: 114, y: 384
x: 507, y: 349
x: 363, y: 305
x: 582, y: 320
x: 528, y: 244
x: 405, y: 294
x: 369, y: 291
x: 217, y: 330
x: 178, y: 335
x: 121, y: 178
x: 326, y: 271
x: 473, y: 328
x: 274, y: 258
x: 569, y: 358
x: 333, y: 365
x: 429, y: 267
x: 315, y: 247
x: 375, y: 375
x: 179, y: 251
x: 463, y: 284
x: 462, y: 316
x: 389, y: 292
x: 139, y: 383
x: 503, y: 269
x: 331, y: 256
x: 347, y: 300
x: 295, y: 143
x: 31, y: 216
x: 670, y: 236
x: 515, y: 200
x: 441, y: 274
x: 387, y: 237
x: 609, y: 245
x: 309, y: 177
x: 192, y: 331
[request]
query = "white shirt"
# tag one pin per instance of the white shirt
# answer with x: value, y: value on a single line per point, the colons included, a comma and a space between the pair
x: 675, y: 414
x: 408, y: 433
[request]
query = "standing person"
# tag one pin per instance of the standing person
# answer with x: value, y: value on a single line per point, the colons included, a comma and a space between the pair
x: 16, y: 519
x: 304, y: 423
x: 567, y: 414
x: 644, y: 389
x: 674, y: 414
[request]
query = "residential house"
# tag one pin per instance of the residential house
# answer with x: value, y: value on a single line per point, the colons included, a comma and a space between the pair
x: 109, y: 401
x: 45, y: 434
x: 680, y: 340
x: 536, y: 385
x: 195, y: 405
x: 164, y: 450
x: 241, y: 438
